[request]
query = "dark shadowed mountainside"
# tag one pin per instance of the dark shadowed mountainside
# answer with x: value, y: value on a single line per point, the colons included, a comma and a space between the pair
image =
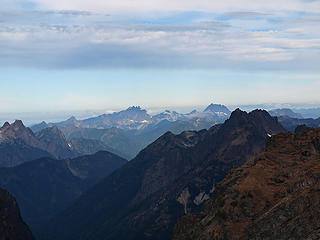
x: 85, y: 146
x: 12, y: 226
x: 285, y: 112
x: 173, y: 175
x: 275, y: 195
x: 115, y: 138
x: 45, y: 186
x: 290, y: 124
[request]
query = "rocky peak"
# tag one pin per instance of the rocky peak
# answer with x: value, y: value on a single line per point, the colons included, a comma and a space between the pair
x: 6, y: 125
x: 261, y: 120
x: 134, y: 108
x: 217, y: 108
x: 71, y: 119
x: 18, y: 126
x: 18, y: 123
x: 16, y: 130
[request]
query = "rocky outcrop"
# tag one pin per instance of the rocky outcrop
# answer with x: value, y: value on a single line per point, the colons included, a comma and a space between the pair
x: 12, y: 226
x: 275, y: 195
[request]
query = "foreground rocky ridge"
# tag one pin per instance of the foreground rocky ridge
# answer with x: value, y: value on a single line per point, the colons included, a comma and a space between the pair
x: 275, y: 195
x: 12, y: 226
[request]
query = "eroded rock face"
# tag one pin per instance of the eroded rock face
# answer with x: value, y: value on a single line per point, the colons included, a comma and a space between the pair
x: 12, y: 226
x: 273, y: 196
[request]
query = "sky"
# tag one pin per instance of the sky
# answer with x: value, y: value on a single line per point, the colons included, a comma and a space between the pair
x: 97, y: 55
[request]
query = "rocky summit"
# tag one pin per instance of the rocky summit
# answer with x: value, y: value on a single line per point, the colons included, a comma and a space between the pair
x: 275, y: 195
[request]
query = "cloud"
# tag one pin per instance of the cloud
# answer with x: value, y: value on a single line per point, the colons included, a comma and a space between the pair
x: 247, y: 14
x: 75, y: 39
x: 178, y: 5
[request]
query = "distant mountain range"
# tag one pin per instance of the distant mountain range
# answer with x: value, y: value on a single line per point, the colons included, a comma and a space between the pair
x: 290, y: 119
x: 172, y: 176
x: 290, y: 124
x: 135, y: 118
x: 129, y: 131
x: 18, y: 144
x: 285, y: 112
x: 273, y: 196
x: 46, y: 186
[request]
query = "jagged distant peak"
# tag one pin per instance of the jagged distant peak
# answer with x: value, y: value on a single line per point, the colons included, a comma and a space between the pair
x: 217, y: 108
x: 259, y: 112
x: 72, y: 118
x: 255, y: 113
x: 238, y: 112
x: 5, y: 125
x: 18, y: 123
x: 134, y: 108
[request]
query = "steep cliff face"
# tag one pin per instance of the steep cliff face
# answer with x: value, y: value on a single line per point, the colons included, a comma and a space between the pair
x: 12, y: 226
x: 275, y: 195
x: 173, y: 175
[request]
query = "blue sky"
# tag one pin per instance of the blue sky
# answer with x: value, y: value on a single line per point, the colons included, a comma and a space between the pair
x: 100, y: 55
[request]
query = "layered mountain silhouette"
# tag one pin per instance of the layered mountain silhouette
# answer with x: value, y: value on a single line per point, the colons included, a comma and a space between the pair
x: 85, y: 146
x: 12, y: 226
x: 46, y: 186
x: 18, y: 144
x: 172, y: 176
x: 290, y: 124
x: 129, y: 131
x: 285, y: 112
x: 273, y: 196
x: 136, y: 118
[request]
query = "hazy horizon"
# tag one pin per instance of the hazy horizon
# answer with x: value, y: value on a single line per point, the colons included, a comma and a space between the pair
x: 31, y: 118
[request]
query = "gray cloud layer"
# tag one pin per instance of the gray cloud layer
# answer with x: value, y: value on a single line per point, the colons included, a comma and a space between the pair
x: 78, y: 39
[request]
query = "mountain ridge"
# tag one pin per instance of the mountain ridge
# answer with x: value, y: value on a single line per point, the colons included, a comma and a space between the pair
x: 272, y: 196
x: 147, y: 194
